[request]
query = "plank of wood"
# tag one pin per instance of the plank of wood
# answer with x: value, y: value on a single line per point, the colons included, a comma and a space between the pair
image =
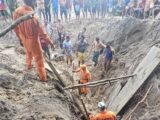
x: 115, y: 90
x: 143, y: 71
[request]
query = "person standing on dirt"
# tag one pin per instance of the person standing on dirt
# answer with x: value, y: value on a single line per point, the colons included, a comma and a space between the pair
x: 87, y: 8
x: 44, y: 44
x: 40, y: 8
x: 103, y: 8
x: 63, y: 9
x: 28, y: 33
x: 85, y: 77
x: 3, y: 10
x: 81, y: 49
x: 67, y: 47
x: 82, y: 33
x: 104, y: 114
x: 60, y: 30
x: 94, y: 8
x: 55, y: 9
x: 69, y: 8
x: 47, y: 4
x: 98, y: 46
x: 77, y: 9
x: 109, y: 52
x: 12, y: 5
x: 98, y: 7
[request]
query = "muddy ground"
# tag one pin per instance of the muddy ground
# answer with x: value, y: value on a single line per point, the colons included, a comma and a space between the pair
x: 23, y: 96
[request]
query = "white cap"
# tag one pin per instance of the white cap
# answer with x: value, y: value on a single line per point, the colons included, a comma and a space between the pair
x: 101, y: 104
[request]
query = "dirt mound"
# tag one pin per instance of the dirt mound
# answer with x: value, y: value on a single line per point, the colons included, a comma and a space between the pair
x: 24, y: 97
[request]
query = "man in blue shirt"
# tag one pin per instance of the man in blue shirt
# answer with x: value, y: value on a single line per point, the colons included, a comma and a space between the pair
x: 108, y: 58
x: 67, y: 47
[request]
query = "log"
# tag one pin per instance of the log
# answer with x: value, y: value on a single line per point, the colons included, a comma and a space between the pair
x: 15, y: 23
x: 55, y: 72
x: 99, y: 81
x: 85, y: 109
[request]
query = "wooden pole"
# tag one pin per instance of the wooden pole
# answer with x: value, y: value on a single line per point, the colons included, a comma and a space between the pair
x: 85, y: 109
x: 98, y: 82
x: 15, y: 23
x: 55, y: 72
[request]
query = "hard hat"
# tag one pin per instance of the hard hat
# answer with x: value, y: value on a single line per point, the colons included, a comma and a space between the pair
x: 101, y: 104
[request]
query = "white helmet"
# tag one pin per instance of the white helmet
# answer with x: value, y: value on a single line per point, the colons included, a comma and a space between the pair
x: 101, y: 104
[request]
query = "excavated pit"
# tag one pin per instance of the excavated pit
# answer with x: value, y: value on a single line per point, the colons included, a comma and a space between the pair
x: 24, y: 97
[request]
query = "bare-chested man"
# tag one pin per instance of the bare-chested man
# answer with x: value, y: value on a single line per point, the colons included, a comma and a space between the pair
x: 60, y: 30
x: 97, y: 49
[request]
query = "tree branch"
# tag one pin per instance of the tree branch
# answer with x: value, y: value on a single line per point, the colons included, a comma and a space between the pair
x: 15, y: 23
x: 99, y: 82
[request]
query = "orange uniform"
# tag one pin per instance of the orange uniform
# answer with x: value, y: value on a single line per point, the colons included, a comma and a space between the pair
x: 28, y: 32
x: 105, y: 115
x: 85, y: 77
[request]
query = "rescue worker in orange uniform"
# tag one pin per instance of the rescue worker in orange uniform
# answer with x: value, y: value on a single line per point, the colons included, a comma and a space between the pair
x: 85, y: 77
x: 104, y: 114
x: 28, y: 33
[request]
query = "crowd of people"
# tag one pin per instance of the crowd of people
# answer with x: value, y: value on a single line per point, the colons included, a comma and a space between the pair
x: 49, y: 9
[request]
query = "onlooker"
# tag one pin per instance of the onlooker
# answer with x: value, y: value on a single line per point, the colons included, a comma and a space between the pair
x: 81, y: 49
x: 148, y: 6
x: 87, y: 7
x: 12, y: 5
x: 3, y: 9
x: 103, y: 8
x: 47, y: 4
x: 138, y: 11
x: 98, y: 7
x: 82, y: 33
x: 63, y: 9
x: 69, y: 8
x: 77, y: 9
x: 67, y: 47
x: 94, y: 9
x: 60, y: 30
x: 40, y: 8
x: 156, y: 8
x: 55, y: 9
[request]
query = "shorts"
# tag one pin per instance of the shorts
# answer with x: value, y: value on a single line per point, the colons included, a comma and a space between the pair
x: 81, y: 56
x: 69, y: 56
